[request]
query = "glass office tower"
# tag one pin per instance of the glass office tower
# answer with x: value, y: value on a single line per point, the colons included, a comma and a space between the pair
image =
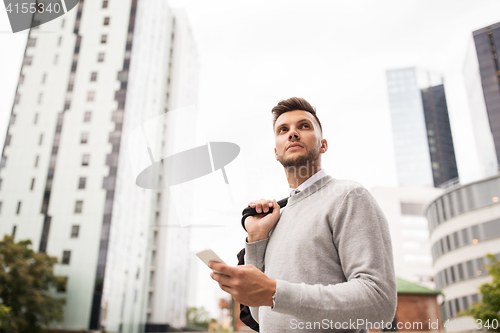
x: 423, y: 143
x: 487, y: 42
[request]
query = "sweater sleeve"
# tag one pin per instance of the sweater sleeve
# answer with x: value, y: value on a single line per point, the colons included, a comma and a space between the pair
x: 361, y: 235
x: 254, y: 255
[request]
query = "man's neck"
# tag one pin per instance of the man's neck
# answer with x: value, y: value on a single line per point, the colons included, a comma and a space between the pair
x: 298, y: 175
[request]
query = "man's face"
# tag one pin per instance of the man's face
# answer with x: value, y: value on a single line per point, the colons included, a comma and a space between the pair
x: 297, y: 128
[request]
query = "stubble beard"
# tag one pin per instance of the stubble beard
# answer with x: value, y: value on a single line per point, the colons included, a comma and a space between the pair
x: 301, y: 160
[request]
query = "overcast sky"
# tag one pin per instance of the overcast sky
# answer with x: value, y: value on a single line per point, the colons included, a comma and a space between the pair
x: 334, y: 54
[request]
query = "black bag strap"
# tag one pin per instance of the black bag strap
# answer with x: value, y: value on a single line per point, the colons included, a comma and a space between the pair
x: 249, y: 211
x: 245, y: 315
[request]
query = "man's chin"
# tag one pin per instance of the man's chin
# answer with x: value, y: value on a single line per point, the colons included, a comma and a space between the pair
x: 297, y: 162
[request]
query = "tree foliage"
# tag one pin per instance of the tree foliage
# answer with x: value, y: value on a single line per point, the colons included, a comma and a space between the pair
x: 488, y: 309
x: 4, y: 310
x: 199, y: 317
x: 25, y: 279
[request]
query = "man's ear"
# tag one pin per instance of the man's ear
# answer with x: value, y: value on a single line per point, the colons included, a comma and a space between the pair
x: 276, y: 154
x: 324, y: 146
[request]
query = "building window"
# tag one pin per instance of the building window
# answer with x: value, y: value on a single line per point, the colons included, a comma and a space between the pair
x: 21, y: 79
x: 59, y: 41
x: 18, y: 210
x: 70, y: 88
x: 56, y: 59
x: 86, y: 118
x: 32, y: 184
x: 108, y: 183
x: 17, y: 99
x: 31, y: 42
x: 40, y: 95
x: 100, y: 57
x: 14, y: 230
x: 85, y: 160
x: 12, y: 118
x: 3, y: 162
x: 81, y: 182
x: 75, y: 230
x: 40, y: 140
x: 62, y: 23
x: 66, y: 257
x: 90, y: 96
x: 36, y: 160
x: 104, y: 39
x: 36, y: 118
x: 85, y: 138
x: 44, y: 76
x: 1, y: 180
x: 105, y: 4
x: 63, y: 286
x: 8, y: 139
x: 93, y: 76
x: 28, y: 60
x: 78, y: 206
x: 0, y: 207
x: 106, y: 21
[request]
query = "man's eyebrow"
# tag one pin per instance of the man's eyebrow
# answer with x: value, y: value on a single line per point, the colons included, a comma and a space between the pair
x: 304, y: 120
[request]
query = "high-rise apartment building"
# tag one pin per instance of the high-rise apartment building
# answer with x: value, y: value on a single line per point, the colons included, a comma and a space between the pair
x: 423, y: 142
x: 482, y: 78
x: 89, y: 78
x: 404, y: 208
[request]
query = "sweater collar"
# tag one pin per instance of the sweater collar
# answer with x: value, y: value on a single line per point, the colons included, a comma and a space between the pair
x: 314, y: 187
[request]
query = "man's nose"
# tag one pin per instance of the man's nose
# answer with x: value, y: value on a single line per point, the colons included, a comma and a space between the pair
x: 294, y: 134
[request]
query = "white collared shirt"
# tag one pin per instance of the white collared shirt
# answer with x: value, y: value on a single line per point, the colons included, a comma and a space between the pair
x: 311, y: 180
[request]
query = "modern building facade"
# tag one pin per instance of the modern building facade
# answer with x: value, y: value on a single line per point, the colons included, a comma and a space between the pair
x: 168, y: 280
x: 88, y: 79
x: 482, y: 78
x: 423, y: 141
x: 404, y: 210
x: 485, y: 155
x: 464, y: 226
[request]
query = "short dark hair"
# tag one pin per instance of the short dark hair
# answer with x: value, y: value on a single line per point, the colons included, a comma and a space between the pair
x: 292, y: 104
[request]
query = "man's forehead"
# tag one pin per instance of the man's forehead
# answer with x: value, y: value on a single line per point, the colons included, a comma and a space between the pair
x: 294, y: 116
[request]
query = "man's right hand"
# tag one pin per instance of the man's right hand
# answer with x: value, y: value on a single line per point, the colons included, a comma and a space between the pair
x: 259, y: 226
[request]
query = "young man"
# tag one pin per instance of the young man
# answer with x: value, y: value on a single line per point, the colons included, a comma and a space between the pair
x: 325, y: 262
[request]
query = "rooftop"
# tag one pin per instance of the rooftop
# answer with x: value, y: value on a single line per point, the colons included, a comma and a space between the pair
x: 406, y: 287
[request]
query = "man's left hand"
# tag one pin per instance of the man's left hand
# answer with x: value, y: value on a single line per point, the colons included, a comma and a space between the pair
x: 247, y: 284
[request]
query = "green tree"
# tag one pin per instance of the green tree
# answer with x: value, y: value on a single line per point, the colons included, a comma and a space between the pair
x: 198, y: 317
x: 3, y: 312
x: 25, y: 279
x: 488, y: 309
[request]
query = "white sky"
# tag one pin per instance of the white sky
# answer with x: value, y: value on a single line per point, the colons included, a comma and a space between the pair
x: 334, y: 54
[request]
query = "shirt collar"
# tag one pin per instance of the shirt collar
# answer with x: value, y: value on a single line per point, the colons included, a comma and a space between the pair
x: 311, y: 180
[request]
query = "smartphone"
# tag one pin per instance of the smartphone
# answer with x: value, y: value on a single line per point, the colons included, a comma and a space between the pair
x: 208, y: 255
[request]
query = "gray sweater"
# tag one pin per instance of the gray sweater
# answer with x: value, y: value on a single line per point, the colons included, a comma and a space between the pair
x: 331, y: 256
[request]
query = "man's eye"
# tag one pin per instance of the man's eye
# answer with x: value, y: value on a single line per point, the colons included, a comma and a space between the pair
x: 284, y: 128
